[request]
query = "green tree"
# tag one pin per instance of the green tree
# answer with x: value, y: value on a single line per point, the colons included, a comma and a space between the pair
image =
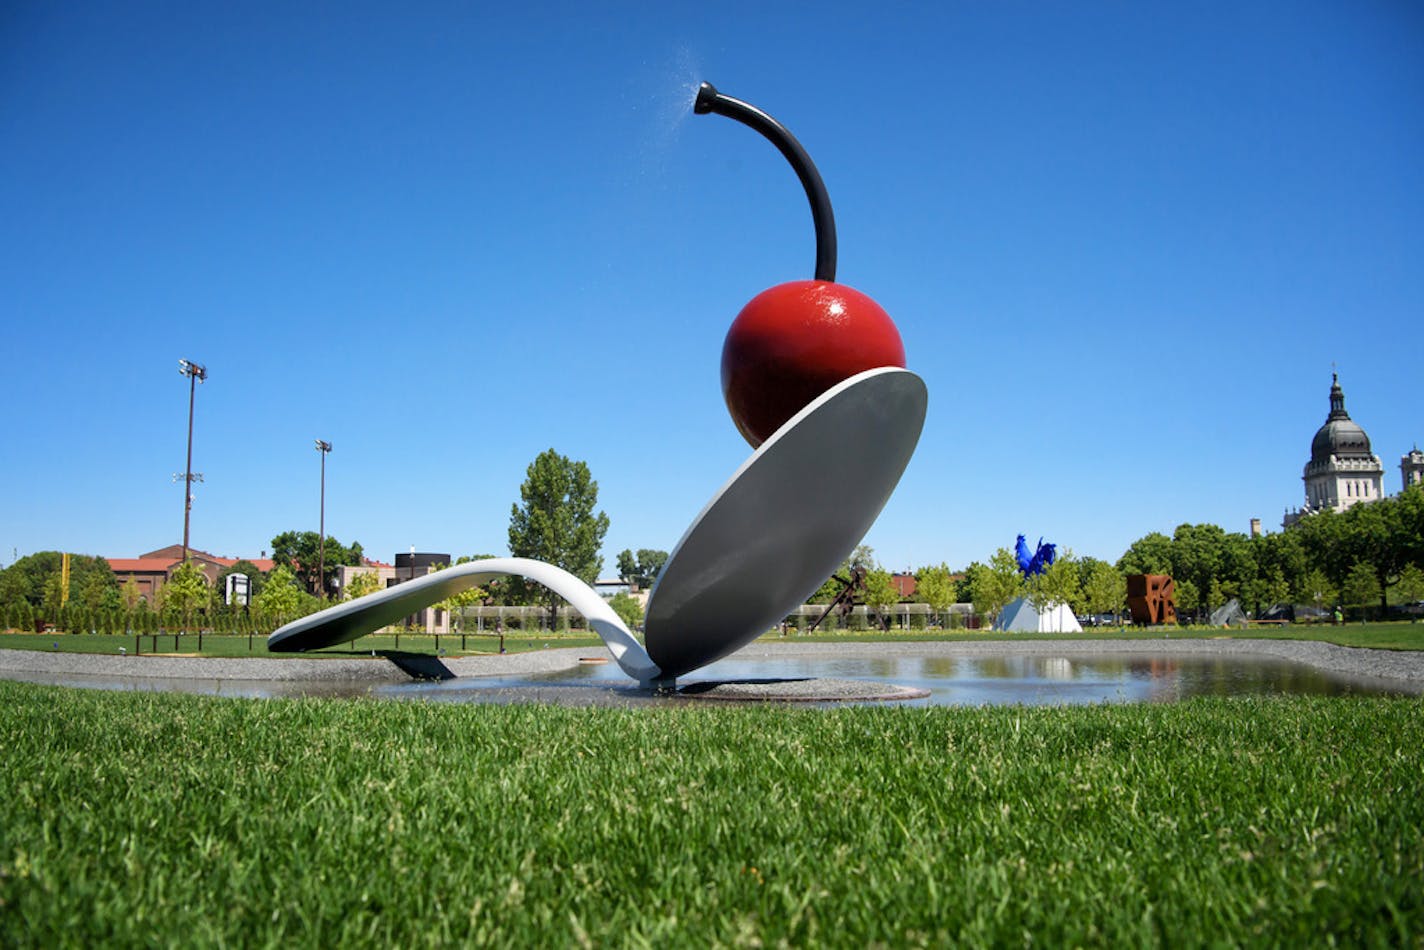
x: 302, y: 552
x: 1387, y: 535
x: 366, y: 582
x: 936, y: 587
x: 1187, y: 597
x: 628, y: 609
x: 129, y: 594
x: 1057, y: 584
x: 14, y: 586
x: 1410, y: 586
x: 455, y: 603
x: 650, y: 565
x: 880, y: 594
x: 53, y: 598
x: 1278, y: 590
x: 30, y: 577
x: 1282, y: 553
x: 997, y: 584
x: 1315, y: 589
x: 556, y: 522
x: 641, y: 571
x: 968, y: 583
x: 281, y: 596
x: 1362, y: 587
x: 1104, y: 589
x: 186, y: 592
x: 628, y: 566
x: 1149, y: 554
x: 862, y: 557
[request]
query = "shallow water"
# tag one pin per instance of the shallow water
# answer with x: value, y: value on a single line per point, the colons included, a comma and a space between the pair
x: 1043, y: 680
x: 965, y: 681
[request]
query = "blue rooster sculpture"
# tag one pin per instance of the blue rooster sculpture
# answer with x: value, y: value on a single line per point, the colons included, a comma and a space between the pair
x: 1031, y: 564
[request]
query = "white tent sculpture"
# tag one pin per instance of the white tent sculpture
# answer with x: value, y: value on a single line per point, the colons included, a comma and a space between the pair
x: 1021, y: 615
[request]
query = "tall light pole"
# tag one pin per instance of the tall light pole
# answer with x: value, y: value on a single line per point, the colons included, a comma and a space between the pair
x: 196, y: 374
x: 324, y: 448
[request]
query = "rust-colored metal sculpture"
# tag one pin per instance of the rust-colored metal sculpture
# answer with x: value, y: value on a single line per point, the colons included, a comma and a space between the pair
x: 844, y: 602
x: 1152, y: 599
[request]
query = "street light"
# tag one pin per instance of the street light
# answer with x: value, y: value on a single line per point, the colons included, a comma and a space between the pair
x: 196, y: 374
x: 324, y: 448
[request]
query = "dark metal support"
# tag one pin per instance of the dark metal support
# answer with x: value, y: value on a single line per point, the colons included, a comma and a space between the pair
x: 710, y: 100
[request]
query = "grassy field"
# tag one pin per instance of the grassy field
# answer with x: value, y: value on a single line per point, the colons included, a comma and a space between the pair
x: 168, y: 819
x: 1383, y: 636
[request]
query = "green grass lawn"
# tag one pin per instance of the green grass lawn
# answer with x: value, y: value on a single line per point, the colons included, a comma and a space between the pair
x: 137, y: 818
x: 1383, y: 636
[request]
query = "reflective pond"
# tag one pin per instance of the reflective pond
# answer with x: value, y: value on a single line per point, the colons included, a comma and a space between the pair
x: 1025, y: 679
x: 1043, y: 680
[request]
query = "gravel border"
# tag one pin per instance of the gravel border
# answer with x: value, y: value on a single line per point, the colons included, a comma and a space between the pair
x: 376, y: 669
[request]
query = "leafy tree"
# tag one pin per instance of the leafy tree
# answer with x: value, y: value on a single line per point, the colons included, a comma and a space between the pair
x: 366, y: 582
x: 1278, y: 590
x: 97, y: 589
x: 453, y: 604
x: 650, y: 565
x: 1315, y: 589
x: 936, y: 587
x: 1410, y: 586
x: 628, y: 609
x: 627, y: 566
x: 1057, y: 584
x: 998, y: 583
x: 185, y: 592
x: 281, y: 596
x: 1150, y: 554
x: 555, y: 521
x: 14, y: 587
x: 1218, y: 594
x: 1282, y: 553
x: 1361, y: 587
x: 53, y: 599
x: 1188, y: 598
x: 30, y: 577
x: 1104, y: 589
x: 641, y: 571
x: 302, y: 551
x: 862, y: 556
x: 880, y: 593
x: 129, y: 594
x: 968, y: 583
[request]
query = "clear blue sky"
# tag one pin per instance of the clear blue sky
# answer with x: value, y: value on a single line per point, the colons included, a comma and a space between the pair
x: 1123, y: 242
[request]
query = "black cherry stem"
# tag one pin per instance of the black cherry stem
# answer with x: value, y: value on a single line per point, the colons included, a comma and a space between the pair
x: 710, y: 100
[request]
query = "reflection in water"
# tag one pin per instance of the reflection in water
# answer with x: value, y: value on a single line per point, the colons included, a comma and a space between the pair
x: 976, y: 681
x: 950, y: 681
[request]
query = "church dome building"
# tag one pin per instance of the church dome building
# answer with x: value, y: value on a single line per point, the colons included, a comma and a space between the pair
x: 1342, y: 470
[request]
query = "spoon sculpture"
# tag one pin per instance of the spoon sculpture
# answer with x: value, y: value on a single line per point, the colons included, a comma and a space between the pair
x: 818, y: 478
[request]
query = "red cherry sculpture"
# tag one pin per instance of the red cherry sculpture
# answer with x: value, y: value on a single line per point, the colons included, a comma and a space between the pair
x: 795, y: 341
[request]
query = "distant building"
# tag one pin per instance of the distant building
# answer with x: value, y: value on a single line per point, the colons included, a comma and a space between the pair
x: 1342, y: 471
x: 152, y: 570
x: 407, y: 567
x: 1411, y: 469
